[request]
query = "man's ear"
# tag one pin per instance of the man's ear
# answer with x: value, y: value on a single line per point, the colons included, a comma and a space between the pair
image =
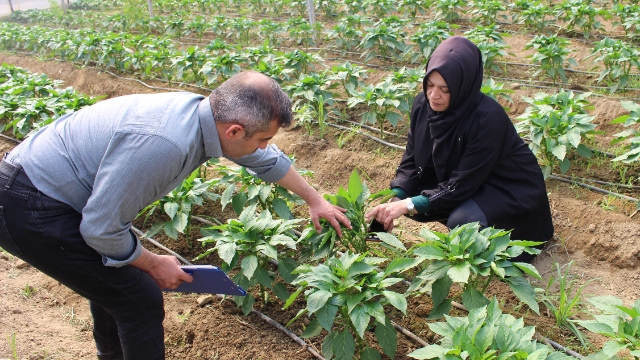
x: 234, y: 132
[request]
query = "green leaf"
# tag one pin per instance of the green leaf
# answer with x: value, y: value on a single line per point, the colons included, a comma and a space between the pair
x: 326, y: 315
x: 281, y: 208
x: 247, y: 305
x: 460, y: 272
x: 440, y: 310
x: 293, y: 298
x: 387, y: 337
x: 397, y: 300
x: 400, y: 265
x: 440, y: 290
x: 317, y: 300
x: 327, y: 345
x: 370, y: 354
x: 249, y: 265
x: 612, y: 347
x: 360, y: 319
x: 227, y: 194
x: 429, y: 352
x: 227, y: 251
x: 263, y: 277
x: 238, y: 203
x: 429, y: 252
x: 472, y: 299
x: 390, y: 240
x: 281, y: 291
x: 285, y: 267
x: 355, y: 185
x: 344, y: 346
x: 171, y: 209
x: 524, y: 291
x: 313, y: 329
x: 528, y: 269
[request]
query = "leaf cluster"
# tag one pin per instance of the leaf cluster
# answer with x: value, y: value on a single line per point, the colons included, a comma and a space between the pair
x: 486, y: 334
x: 556, y: 124
x: 631, y: 134
x: 472, y: 258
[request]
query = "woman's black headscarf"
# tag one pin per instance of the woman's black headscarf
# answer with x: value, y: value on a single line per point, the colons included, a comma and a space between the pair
x: 459, y: 62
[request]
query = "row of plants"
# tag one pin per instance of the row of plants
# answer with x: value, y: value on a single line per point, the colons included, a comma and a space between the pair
x: 30, y: 101
x: 385, y: 38
x: 584, y: 16
x: 345, y: 293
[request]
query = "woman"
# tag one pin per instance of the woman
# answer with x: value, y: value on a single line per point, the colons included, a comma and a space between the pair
x: 464, y: 161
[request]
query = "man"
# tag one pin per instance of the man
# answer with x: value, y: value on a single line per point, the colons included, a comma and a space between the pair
x: 69, y: 193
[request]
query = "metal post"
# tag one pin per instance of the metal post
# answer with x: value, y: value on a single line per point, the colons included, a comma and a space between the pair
x: 312, y: 17
x: 63, y: 6
x: 11, y: 6
x: 150, y: 8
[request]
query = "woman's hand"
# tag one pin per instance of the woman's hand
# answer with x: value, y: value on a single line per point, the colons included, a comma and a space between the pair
x: 386, y: 213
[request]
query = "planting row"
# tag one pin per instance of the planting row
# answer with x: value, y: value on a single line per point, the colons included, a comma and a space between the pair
x: 30, y: 101
x: 391, y: 38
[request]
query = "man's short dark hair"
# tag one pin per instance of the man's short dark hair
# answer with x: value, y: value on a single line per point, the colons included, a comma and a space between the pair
x: 252, y: 100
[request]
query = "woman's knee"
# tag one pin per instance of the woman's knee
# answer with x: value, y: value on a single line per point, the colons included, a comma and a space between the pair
x: 465, y: 213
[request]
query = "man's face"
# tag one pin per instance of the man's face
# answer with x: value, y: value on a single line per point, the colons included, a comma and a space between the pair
x: 237, y: 148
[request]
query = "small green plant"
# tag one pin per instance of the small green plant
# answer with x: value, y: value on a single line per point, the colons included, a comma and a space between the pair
x: 184, y: 316
x: 567, y: 302
x: 428, y: 36
x: 249, y: 242
x: 632, y: 134
x: 385, y: 40
x: 356, y: 198
x: 556, y: 124
x: 13, y: 345
x: 27, y: 291
x: 447, y: 10
x: 485, y: 12
x: 581, y: 14
x: 178, y: 205
x: 347, y: 295
x: 606, y: 203
x: 495, y: 90
x: 345, y: 136
x: 486, y: 333
x: 617, y: 322
x: 473, y: 258
x: 344, y: 37
x: 618, y: 57
x: 551, y: 55
x: 253, y: 190
x: 348, y: 76
x: 385, y: 101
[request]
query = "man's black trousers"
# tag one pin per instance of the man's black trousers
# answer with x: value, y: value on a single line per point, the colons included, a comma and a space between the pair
x: 126, y: 304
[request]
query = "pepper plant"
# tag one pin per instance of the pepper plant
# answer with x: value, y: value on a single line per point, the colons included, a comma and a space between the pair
x: 556, y: 124
x: 178, y: 205
x: 551, y: 55
x: 619, y: 59
x: 252, y: 190
x: 249, y: 243
x: 428, y: 36
x: 486, y: 333
x: 347, y: 295
x: 473, y: 258
x: 383, y: 40
x: 344, y: 37
x: 348, y: 76
x: 581, y: 14
x: 447, y: 10
x: 631, y: 121
x: 619, y: 323
x: 494, y: 90
x: 485, y: 12
x: 384, y: 101
x: 356, y: 198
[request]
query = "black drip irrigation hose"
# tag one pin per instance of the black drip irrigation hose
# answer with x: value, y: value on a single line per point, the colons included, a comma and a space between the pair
x: 10, y: 138
x: 591, y: 187
x: 624, y: 186
x: 262, y: 316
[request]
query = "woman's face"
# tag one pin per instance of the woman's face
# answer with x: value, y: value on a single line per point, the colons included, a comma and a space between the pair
x: 437, y: 92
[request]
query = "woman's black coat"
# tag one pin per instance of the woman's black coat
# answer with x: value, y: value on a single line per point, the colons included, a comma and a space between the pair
x: 489, y: 163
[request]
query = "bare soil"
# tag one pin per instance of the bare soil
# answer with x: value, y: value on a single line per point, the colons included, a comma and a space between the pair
x: 50, y: 321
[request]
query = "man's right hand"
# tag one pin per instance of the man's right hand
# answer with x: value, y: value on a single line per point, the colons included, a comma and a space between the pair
x: 164, y: 269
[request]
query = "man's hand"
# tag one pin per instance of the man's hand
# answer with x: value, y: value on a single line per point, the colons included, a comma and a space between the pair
x: 321, y: 208
x: 318, y: 206
x: 386, y: 213
x: 164, y: 269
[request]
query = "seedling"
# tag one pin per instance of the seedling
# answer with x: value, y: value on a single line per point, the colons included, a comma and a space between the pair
x: 27, y: 291
x: 473, y: 258
x: 567, y: 302
x: 486, y: 333
x: 617, y: 322
x: 551, y: 56
x: 556, y: 124
x: 347, y: 295
x: 356, y: 198
x: 254, y: 239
